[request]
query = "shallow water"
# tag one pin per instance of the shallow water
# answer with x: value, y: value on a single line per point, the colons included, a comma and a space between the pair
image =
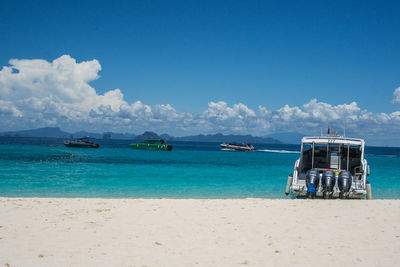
x: 200, y: 170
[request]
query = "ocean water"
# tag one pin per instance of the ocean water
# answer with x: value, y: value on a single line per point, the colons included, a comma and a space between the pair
x: 43, y: 167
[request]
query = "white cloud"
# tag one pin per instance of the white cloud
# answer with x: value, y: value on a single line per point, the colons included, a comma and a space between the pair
x: 63, y: 79
x: 396, y: 96
x: 288, y: 114
x: 7, y: 108
x: 220, y: 117
x: 221, y: 112
x: 58, y: 92
x: 37, y: 93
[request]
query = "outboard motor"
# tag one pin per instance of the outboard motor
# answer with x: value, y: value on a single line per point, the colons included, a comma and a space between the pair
x: 344, y: 183
x: 328, y: 182
x: 312, y: 182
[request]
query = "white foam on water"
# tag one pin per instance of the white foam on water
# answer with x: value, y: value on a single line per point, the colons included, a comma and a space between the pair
x: 279, y: 151
x: 227, y: 149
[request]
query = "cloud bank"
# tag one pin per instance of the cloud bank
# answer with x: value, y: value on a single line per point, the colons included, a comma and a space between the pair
x: 37, y: 93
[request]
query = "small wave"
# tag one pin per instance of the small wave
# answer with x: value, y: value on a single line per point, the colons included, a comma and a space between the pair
x: 279, y: 151
x: 382, y: 155
x: 227, y: 149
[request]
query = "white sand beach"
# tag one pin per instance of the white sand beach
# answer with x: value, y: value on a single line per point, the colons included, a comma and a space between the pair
x: 197, y: 232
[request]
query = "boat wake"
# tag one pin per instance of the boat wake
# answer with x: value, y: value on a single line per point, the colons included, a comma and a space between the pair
x: 278, y: 151
x: 226, y: 149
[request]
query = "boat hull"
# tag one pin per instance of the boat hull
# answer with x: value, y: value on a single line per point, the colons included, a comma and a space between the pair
x: 81, y: 145
x: 319, y: 194
x: 236, y: 148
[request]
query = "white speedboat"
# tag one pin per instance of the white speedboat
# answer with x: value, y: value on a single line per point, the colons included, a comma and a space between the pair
x: 330, y: 167
x: 237, y: 147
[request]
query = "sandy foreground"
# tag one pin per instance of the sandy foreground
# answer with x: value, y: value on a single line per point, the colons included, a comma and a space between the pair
x: 198, y: 232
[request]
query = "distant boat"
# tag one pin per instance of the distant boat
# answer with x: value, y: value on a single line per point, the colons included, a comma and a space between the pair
x: 152, y: 145
x: 84, y: 142
x: 237, y: 147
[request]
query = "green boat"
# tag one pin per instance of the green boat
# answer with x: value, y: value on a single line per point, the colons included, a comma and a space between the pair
x: 152, y: 145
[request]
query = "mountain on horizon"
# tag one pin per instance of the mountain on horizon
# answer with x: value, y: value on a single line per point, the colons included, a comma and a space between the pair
x: 84, y: 133
x: 219, y: 137
x: 105, y: 135
x: 147, y: 136
x: 54, y: 132
x: 167, y: 137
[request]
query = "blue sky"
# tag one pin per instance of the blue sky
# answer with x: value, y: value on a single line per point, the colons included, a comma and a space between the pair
x: 190, y: 53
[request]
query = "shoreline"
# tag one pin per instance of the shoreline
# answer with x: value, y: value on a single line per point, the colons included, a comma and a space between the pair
x: 196, y: 198
x: 198, y: 232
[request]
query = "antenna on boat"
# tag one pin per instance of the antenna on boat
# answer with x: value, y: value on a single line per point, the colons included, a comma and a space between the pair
x: 344, y: 131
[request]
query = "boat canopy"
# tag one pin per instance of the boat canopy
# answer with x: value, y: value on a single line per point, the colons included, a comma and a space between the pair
x: 86, y: 137
x: 333, y: 140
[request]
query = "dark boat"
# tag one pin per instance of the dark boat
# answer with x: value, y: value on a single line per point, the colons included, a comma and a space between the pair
x: 85, y: 142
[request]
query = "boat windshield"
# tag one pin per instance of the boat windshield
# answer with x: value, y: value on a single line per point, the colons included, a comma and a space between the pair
x: 236, y: 144
x: 87, y: 138
x: 330, y: 156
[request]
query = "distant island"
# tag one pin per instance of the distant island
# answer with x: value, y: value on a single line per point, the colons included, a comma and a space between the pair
x: 56, y: 132
x: 210, y: 138
x: 227, y: 138
x: 148, y: 136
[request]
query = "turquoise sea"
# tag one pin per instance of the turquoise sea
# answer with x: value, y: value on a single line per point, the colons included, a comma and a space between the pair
x: 43, y: 167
